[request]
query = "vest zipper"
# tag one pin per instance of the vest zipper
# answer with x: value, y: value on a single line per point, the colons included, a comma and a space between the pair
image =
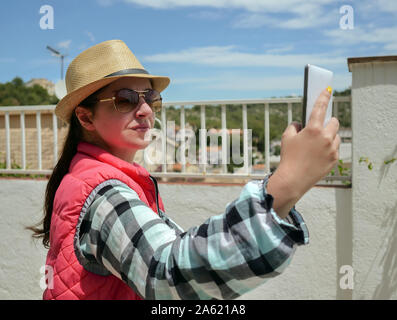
x: 156, y: 191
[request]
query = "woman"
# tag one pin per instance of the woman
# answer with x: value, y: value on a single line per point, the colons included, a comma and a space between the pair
x: 105, y: 224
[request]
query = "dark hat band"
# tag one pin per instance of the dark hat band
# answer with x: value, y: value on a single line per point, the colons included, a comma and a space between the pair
x: 127, y: 71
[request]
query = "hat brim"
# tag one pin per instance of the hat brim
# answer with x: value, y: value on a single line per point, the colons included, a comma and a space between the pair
x: 68, y: 103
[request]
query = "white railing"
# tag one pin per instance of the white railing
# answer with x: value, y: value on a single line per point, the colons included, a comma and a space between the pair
x: 21, y: 110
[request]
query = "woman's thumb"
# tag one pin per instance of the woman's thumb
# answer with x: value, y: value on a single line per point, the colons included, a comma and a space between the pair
x: 292, y: 129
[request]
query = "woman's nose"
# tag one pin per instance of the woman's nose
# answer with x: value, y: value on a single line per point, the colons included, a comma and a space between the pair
x: 144, y: 109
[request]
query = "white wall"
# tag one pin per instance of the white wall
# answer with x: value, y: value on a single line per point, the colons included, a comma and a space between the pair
x: 21, y: 259
x: 313, y: 273
x: 374, y: 126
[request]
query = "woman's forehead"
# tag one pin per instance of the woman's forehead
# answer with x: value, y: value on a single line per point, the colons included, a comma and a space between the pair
x: 131, y: 83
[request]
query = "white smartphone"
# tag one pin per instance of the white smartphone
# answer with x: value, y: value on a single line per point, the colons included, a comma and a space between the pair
x: 316, y: 80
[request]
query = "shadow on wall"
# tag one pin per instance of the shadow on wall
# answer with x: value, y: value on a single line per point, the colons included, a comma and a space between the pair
x: 387, y: 287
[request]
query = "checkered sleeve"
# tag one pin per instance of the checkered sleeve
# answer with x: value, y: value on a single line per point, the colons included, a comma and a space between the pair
x: 223, y: 258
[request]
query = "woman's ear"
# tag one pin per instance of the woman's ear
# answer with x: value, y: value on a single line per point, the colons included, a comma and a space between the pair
x: 85, y: 117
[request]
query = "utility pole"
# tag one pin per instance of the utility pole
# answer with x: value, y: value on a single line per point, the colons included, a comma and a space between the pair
x: 58, y: 54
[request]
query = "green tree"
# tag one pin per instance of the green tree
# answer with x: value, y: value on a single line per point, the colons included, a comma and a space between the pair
x: 16, y: 93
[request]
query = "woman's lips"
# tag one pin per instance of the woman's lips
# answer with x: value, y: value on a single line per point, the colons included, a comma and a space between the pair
x: 141, y: 129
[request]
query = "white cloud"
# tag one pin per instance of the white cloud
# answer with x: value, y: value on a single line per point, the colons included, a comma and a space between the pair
x: 379, y: 5
x: 388, y: 6
x: 288, y: 14
x: 227, y: 56
x: 303, y: 15
x: 64, y: 44
x: 90, y: 35
x: 235, y: 82
x: 243, y: 82
x: 249, y: 5
x: 370, y: 35
x: 391, y: 46
x: 257, y: 13
x: 206, y: 15
x: 280, y: 49
x: 254, y: 20
x: 257, y: 20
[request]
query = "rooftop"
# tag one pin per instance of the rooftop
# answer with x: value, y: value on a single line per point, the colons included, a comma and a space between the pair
x: 354, y: 60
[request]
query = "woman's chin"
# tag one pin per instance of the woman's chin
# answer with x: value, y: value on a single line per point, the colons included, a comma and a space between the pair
x: 138, y: 144
x: 140, y: 141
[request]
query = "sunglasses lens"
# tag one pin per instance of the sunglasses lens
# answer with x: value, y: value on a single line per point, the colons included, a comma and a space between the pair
x: 127, y: 100
x: 153, y: 98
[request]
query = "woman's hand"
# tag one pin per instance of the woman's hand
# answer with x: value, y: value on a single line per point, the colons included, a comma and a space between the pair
x: 308, y: 155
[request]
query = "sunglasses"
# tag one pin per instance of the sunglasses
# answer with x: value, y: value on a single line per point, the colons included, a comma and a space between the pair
x: 126, y: 100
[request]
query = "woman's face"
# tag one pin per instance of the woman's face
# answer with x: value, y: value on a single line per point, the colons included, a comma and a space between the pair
x: 115, y: 130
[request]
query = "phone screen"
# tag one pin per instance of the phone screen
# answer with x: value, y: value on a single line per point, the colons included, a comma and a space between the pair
x: 316, y: 79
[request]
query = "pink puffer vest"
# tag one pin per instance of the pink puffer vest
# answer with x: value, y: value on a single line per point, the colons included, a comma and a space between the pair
x: 90, y: 166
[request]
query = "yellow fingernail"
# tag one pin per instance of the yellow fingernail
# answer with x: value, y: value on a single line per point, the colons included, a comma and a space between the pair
x: 329, y: 89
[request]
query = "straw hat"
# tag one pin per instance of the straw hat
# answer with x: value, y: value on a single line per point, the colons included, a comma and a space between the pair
x: 98, y: 66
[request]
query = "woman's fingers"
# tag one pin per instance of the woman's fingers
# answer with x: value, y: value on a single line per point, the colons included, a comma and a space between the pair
x: 335, y: 148
x: 332, y: 126
x: 317, y: 115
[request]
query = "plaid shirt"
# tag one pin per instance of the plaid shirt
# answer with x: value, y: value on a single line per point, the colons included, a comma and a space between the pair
x: 223, y: 258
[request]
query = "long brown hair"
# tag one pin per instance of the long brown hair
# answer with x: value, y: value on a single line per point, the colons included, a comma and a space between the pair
x: 73, y: 137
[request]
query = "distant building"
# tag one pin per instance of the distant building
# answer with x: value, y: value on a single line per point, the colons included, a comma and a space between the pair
x: 46, y: 84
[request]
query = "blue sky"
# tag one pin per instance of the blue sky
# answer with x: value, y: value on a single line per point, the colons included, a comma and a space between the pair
x: 211, y: 49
